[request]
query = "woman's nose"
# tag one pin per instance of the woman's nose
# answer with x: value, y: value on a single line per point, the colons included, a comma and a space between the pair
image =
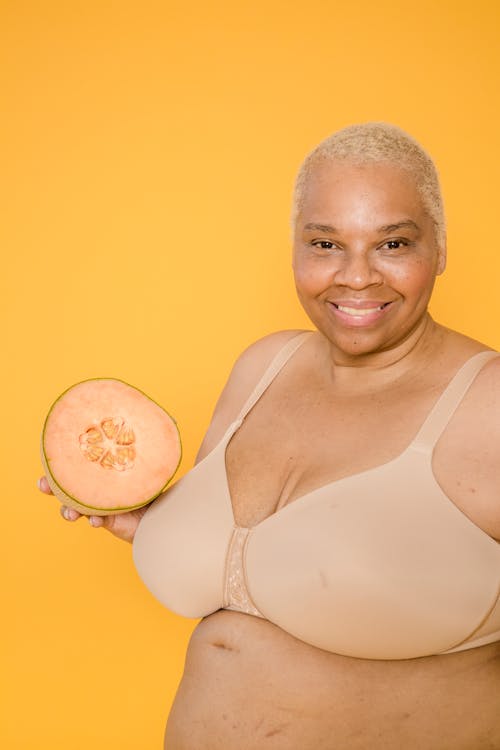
x: 357, y: 272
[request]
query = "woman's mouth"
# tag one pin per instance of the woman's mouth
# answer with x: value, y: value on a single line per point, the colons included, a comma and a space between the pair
x: 359, y: 313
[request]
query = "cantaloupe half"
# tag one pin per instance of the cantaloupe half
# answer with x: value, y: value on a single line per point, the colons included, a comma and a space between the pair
x: 108, y: 448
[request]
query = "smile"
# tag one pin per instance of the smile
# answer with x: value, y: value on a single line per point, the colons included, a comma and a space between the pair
x: 359, y: 316
x: 358, y: 311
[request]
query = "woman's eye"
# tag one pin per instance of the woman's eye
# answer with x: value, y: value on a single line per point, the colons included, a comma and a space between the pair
x: 395, y: 244
x: 323, y: 244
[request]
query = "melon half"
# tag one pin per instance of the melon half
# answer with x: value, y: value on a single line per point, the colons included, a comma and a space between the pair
x: 108, y: 448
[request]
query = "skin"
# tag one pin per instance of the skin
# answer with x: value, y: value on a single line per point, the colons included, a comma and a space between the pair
x: 247, y: 683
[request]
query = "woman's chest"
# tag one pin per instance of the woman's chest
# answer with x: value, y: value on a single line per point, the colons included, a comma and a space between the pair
x: 292, y: 443
x: 289, y: 446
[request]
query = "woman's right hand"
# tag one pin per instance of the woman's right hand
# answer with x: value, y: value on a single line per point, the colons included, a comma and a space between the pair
x: 121, y: 525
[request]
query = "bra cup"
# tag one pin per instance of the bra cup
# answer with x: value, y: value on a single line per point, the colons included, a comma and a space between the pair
x: 180, y: 546
x: 374, y: 567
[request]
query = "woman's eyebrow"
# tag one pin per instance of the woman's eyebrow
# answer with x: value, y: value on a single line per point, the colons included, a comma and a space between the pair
x: 320, y: 227
x: 406, y: 224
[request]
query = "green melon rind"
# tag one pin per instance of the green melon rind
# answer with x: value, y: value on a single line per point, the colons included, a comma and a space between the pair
x: 71, y: 501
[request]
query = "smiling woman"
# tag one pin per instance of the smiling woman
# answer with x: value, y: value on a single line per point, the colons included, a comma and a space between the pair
x: 366, y: 253
x: 339, y: 533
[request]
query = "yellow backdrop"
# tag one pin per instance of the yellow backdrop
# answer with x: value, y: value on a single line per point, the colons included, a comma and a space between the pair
x: 148, y: 153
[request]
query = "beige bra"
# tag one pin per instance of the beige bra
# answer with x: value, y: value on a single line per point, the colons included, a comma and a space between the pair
x: 379, y: 565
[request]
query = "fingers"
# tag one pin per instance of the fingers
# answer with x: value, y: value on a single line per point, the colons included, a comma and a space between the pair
x: 121, y: 525
x: 43, y: 486
x: 69, y: 514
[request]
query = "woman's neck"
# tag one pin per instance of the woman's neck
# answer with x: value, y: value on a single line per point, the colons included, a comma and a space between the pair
x: 415, y: 351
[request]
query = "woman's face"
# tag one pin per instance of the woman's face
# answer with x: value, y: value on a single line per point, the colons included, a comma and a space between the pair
x: 365, y: 255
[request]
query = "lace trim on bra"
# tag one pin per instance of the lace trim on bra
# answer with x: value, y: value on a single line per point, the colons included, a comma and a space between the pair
x: 236, y: 596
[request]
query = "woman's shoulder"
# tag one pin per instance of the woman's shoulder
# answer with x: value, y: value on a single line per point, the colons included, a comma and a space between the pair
x: 479, y: 411
x: 254, y: 360
x: 483, y: 391
x: 244, y: 376
x: 252, y: 363
x: 457, y: 348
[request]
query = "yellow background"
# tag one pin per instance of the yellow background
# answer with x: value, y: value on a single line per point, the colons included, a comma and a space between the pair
x: 148, y: 153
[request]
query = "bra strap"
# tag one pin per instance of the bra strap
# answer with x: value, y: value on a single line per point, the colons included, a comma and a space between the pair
x: 449, y: 400
x: 277, y: 363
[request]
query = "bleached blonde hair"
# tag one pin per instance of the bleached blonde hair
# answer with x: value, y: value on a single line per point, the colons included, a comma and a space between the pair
x: 373, y: 142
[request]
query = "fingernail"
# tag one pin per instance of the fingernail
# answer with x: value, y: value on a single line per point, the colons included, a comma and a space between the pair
x: 93, y: 521
x: 39, y: 483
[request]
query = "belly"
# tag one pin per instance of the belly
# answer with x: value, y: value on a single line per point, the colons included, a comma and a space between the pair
x: 249, y: 685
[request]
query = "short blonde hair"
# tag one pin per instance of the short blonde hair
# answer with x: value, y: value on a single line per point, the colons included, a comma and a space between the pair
x: 378, y: 142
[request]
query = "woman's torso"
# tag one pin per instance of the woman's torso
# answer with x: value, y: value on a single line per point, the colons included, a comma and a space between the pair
x: 250, y: 684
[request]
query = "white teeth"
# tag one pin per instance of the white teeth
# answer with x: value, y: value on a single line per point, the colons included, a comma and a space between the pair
x: 357, y: 311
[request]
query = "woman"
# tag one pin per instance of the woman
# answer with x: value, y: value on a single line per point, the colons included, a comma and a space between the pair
x: 338, y: 535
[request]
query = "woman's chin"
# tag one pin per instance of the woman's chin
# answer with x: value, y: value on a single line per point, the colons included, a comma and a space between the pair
x: 356, y: 343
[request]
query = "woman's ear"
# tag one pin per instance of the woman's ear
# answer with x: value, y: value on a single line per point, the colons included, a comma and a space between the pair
x: 441, y: 265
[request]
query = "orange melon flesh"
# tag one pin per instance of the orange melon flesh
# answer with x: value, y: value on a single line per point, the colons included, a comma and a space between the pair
x: 108, y: 448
